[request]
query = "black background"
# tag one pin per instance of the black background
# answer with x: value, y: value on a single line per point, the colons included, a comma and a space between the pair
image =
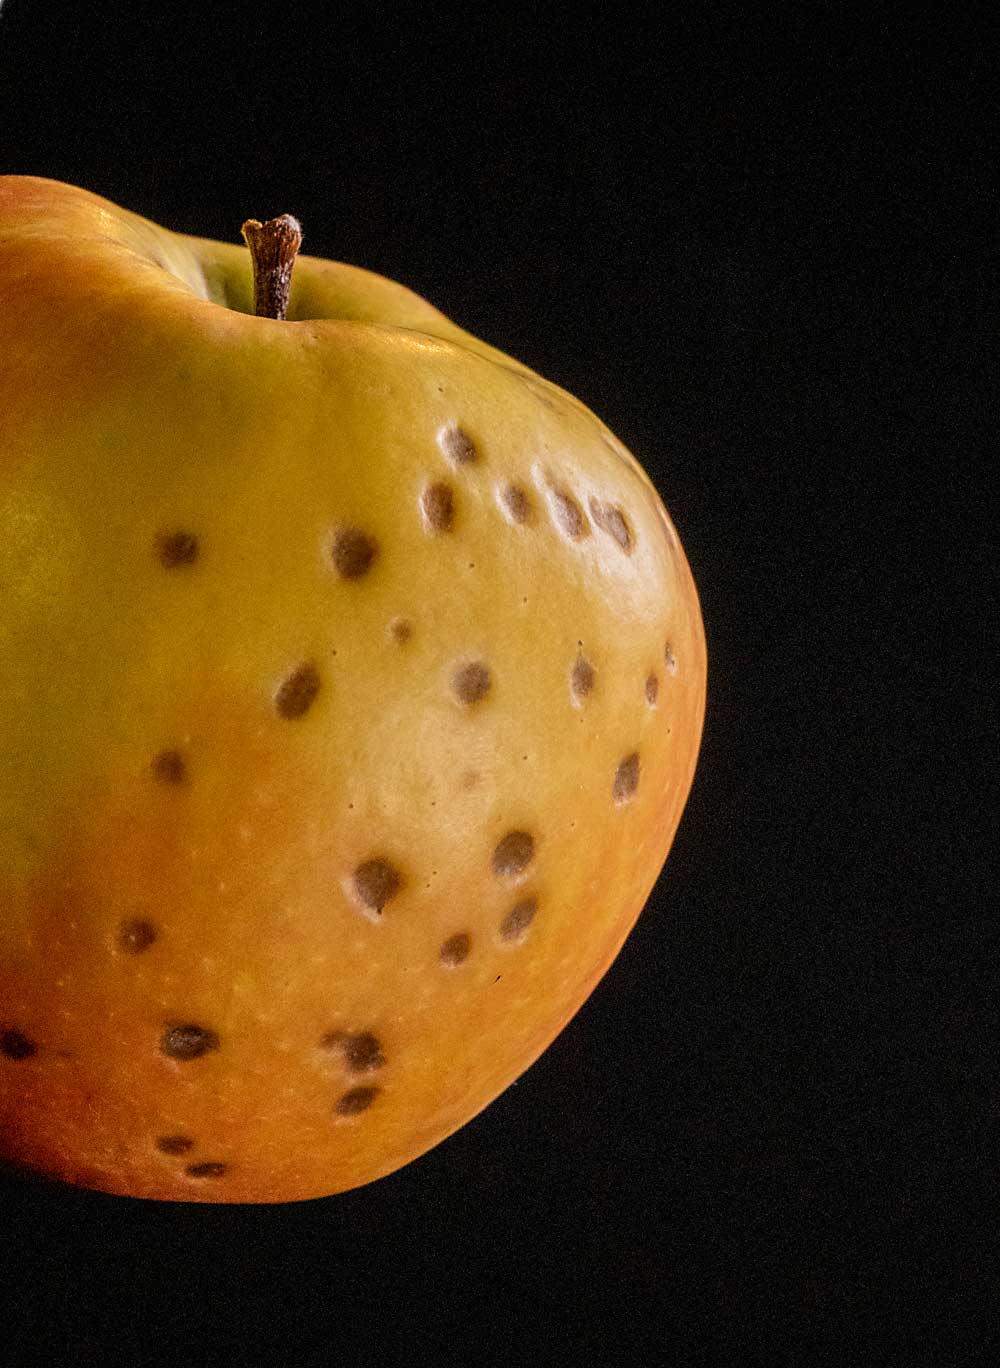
x: 755, y: 247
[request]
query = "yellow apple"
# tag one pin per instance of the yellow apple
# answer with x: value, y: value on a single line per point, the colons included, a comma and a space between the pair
x: 353, y: 682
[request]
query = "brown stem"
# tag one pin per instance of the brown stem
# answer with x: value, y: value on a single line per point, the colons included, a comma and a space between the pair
x: 273, y: 247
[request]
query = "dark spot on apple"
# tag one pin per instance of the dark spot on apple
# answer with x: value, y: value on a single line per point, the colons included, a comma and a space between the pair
x: 626, y: 779
x: 356, y: 1100
x: 174, y: 1144
x: 471, y: 682
x: 438, y: 505
x: 296, y: 694
x: 456, y: 949
x: 652, y: 689
x: 209, y: 1168
x: 188, y: 1042
x: 177, y: 548
x: 170, y: 767
x: 582, y: 678
x: 518, y: 919
x: 353, y: 552
x: 517, y: 502
x: 569, y: 515
x: 376, y: 882
x: 400, y: 630
x: 458, y: 446
x: 136, y: 935
x: 361, y: 1050
x: 15, y: 1045
x: 670, y: 659
x: 610, y: 518
x: 513, y: 854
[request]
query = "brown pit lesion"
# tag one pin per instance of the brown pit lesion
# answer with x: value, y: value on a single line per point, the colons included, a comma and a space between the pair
x: 669, y: 659
x: 626, y: 782
x: 135, y: 935
x: 361, y: 1050
x: 15, y: 1045
x: 517, y: 503
x: 353, y: 552
x: 514, y: 927
x: 455, y: 950
x: 188, y: 1041
x: 472, y: 682
x: 458, y: 446
x: 652, y: 688
x: 400, y: 630
x: 569, y: 516
x: 169, y: 767
x: 176, y: 549
x: 610, y: 518
x: 355, y: 1101
x: 437, y: 504
x: 513, y: 854
x: 296, y: 693
x: 174, y: 1144
x: 376, y: 882
x: 207, y: 1168
x: 582, y: 679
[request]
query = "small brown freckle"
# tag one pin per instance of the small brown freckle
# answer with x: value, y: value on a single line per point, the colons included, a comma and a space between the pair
x: 470, y: 779
x: 471, y: 683
x: 210, y: 1168
x: 376, y: 882
x: 177, y: 548
x: 400, y: 630
x: 297, y: 693
x: 356, y: 1100
x: 517, y: 501
x: 16, y: 1045
x: 518, y: 919
x: 174, y: 1144
x: 353, y: 553
x: 456, y: 949
x: 188, y: 1042
x: 170, y: 767
x: 610, y: 518
x: 458, y: 446
x: 626, y: 779
x: 136, y: 935
x: 652, y: 689
x: 437, y: 504
x: 569, y: 515
x: 513, y: 854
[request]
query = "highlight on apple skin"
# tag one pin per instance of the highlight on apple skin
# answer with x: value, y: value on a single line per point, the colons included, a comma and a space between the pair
x: 354, y: 682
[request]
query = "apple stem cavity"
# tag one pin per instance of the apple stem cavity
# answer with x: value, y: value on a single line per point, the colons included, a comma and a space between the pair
x: 273, y: 247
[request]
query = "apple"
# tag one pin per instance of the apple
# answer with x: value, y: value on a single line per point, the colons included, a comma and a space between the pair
x: 353, y: 683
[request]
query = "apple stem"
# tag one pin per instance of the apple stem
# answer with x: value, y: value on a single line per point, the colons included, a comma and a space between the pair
x: 273, y: 248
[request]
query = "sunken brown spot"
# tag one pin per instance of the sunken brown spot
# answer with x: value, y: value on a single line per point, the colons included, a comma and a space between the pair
x: 438, y: 506
x: 670, y: 659
x: 569, y: 515
x: 376, y: 882
x: 188, y: 1042
x: 136, y: 935
x: 610, y: 518
x: 517, y: 502
x: 16, y: 1045
x: 458, y: 446
x: 209, y: 1168
x: 297, y: 693
x: 361, y: 1050
x: 472, y: 682
x: 652, y: 689
x: 353, y: 552
x: 174, y: 1144
x: 400, y: 630
x: 513, y: 854
x: 626, y: 779
x: 518, y: 919
x: 456, y: 949
x: 582, y: 678
x: 169, y: 767
x: 355, y: 1101
x: 177, y: 548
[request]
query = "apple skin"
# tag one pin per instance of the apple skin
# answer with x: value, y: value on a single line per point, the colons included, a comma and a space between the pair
x: 265, y: 875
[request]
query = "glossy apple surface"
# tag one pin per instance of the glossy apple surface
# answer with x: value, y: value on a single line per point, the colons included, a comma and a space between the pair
x: 353, y: 685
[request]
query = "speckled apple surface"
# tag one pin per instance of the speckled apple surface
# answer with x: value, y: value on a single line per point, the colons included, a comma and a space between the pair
x: 353, y: 685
